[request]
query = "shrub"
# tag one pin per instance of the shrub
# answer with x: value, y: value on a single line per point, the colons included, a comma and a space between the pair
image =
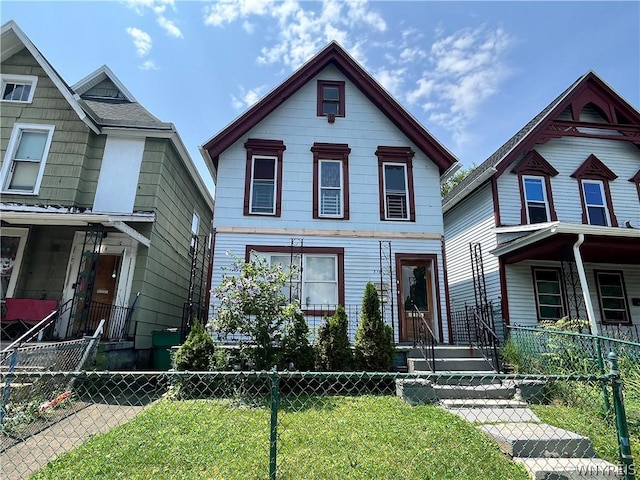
x: 295, y: 347
x: 333, y: 351
x: 198, y: 352
x: 374, y: 348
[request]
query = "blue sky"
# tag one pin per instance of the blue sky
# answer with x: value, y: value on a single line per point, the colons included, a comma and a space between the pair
x: 472, y: 72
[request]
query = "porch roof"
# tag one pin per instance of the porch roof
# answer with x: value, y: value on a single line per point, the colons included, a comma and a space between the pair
x: 601, y: 244
x: 45, y: 216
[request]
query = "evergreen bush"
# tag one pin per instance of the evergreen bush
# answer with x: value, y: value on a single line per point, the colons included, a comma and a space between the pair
x: 333, y: 351
x: 198, y: 352
x: 296, y: 351
x: 374, y: 347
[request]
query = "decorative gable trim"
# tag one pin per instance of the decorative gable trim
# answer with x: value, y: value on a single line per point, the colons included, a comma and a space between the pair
x: 535, y: 164
x: 593, y: 168
x: 335, y: 55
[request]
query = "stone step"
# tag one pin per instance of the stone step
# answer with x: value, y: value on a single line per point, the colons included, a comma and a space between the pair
x: 482, y: 403
x: 485, y: 377
x: 495, y: 414
x: 531, y: 440
x: 449, y: 365
x: 459, y: 392
x: 570, y: 468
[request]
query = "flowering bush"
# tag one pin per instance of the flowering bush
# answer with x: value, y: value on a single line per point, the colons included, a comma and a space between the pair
x: 252, y: 303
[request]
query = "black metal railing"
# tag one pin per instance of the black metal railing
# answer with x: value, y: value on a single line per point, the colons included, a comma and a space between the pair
x: 424, y: 339
x: 117, y: 320
x: 482, y: 335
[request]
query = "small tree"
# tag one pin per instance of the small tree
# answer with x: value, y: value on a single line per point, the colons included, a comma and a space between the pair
x: 198, y: 352
x: 374, y: 348
x: 454, y: 180
x: 252, y: 304
x: 333, y: 352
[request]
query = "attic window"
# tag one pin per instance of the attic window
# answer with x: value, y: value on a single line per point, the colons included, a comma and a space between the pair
x: 330, y: 98
x: 18, y: 88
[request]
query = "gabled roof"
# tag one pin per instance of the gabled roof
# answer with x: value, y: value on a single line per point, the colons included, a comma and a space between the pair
x: 13, y: 39
x: 101, y: 75
x: 589, y: 88
x: 333, y: 54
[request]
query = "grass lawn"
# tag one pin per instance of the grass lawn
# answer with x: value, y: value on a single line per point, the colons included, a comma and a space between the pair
x: 364, y: 437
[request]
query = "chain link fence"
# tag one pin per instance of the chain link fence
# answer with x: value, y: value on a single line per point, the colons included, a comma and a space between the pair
x: 291, y: 425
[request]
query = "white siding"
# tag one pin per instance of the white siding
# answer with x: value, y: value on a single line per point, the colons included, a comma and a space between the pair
x: 363, y: 128
x: 522, y: 303
x: 566, y: 155
x: 361, y: 263
x: 469, y: 221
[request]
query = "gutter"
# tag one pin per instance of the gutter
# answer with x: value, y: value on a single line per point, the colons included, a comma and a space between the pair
x: 461, y: 195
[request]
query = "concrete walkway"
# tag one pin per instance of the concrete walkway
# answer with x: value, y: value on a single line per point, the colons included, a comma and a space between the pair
x: 25, y: 458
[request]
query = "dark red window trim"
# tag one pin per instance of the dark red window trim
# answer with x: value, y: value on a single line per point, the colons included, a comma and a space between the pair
x: 396, y: 155
x: 563, y: 294
x: 331, y: 151
x: 624, y: 292
x: 636, y: 180
x: 338, y: 251
x: 535, y: 165
x: 271, y: 148
x: 341, y: 97
x: 594, y: 169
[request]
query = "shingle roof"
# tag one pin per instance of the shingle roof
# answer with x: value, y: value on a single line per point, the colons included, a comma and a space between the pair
x: 122, y: 112
x: 495, y: 158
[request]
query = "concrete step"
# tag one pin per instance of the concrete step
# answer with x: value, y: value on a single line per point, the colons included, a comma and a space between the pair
x: 495, y: 415
x: 459, y: 392
x: 531, y: 440
x: 486, y: 377
x: 448, y: 351
x: 570, y: 468
x: 449, y: 365
x: 482, y: 403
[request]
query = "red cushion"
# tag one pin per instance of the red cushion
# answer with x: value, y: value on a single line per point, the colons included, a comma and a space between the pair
x: 28, y: 309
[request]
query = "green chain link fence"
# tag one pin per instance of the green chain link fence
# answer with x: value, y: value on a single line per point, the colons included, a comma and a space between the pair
x: 292, y: 425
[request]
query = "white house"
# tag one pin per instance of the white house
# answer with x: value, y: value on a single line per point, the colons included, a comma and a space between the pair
x: 555, y: 212
x: 328, y: 171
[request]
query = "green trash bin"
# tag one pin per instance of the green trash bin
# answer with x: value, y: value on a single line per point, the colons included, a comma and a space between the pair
x: 162, y: 341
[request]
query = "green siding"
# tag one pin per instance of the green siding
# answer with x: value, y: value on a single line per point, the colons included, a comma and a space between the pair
x: 61, y: 179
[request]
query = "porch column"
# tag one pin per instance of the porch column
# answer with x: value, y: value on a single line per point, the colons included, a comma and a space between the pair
x: 583, y: 285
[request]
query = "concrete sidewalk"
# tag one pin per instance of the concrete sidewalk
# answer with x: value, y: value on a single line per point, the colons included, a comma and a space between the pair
x: 25, y: 458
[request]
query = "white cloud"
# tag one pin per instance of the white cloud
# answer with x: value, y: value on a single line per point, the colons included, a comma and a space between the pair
x: 303, y: 27
x: 158, y: 7
x: 169, y: 26
x: 247, y: 98
x: 148, y: 65
x: 141, y: 40
x: 391, y: 79
x: 465, y: 69
x: 248, y: 27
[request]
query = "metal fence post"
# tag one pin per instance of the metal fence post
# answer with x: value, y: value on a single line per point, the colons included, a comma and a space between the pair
x: 626, y: 459
x: 273, y: 445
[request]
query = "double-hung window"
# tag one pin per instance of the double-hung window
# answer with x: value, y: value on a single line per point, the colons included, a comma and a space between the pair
x: 317, y: 274
x: 263, y: 185
x: 536, y: 199
x: 331, y: 98
x: 330, y: 180
x: 395, y: 173
x: 549, y: 294
x: 594, y: 201
x: 263, y: 178
x: 593, y: 178
x: 25, y: 158
x: 614, y: 307
x: 18, y: 88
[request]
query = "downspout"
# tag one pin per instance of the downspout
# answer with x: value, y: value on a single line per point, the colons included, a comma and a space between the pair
x: 583, y: 285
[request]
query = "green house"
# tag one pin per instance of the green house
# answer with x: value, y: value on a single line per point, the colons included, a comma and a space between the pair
x: 102, y: 207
